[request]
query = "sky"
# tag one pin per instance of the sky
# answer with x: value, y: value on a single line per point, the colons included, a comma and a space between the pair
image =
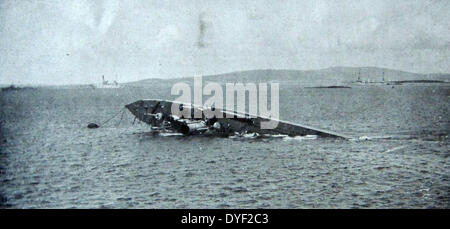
x: 78, y: 41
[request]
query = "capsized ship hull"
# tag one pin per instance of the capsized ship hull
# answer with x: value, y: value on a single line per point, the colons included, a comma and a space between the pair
x: 158, y: 114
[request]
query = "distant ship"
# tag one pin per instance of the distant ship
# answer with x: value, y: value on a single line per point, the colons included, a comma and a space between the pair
x: 359, y: 81
x: 107, y: 84
x: 368, y: 81
x: 359, y: 77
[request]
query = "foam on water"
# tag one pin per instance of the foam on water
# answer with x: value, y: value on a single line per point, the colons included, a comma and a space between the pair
x: 300, y: 138
x: 169, y: 134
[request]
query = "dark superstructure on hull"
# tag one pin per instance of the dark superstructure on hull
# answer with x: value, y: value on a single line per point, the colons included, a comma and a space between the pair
x: 158, y: 114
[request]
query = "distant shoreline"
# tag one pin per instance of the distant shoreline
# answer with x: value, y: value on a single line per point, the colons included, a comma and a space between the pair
x: 418, y: 81
x: 330, y: 87
x: 320, y: 77
x: 16, y: 88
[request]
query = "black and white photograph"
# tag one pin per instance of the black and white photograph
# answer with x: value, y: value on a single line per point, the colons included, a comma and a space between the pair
x: 197, y: 104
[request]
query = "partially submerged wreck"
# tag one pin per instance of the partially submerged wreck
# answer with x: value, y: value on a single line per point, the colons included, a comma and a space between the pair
x: 158, y: 114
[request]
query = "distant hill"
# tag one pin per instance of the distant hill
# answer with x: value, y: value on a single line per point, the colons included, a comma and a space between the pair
x: 327, y: 76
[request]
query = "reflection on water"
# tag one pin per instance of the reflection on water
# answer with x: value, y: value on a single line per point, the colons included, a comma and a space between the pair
x: 398, y: 157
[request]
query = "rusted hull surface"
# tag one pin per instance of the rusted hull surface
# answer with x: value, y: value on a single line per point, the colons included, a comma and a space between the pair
x: 148, y: 111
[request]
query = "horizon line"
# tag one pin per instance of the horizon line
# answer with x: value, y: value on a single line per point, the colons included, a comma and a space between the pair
x: 229, y: 72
